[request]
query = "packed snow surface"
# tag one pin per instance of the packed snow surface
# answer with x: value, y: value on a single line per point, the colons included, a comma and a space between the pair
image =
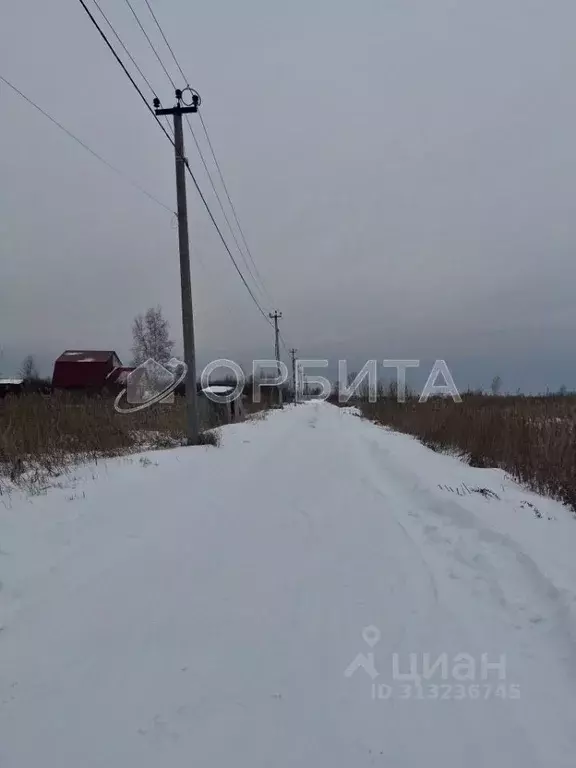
x: 317, y: 592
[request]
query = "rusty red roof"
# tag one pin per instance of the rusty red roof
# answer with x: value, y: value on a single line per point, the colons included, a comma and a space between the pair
x: 86, y: 356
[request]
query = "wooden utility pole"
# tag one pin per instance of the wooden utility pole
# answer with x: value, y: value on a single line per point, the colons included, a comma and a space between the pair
x: 276, y: 316
x: 294, y: 382
x: 192, y: 429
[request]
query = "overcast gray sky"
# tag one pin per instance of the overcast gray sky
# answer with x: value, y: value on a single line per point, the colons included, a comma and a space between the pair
x: 404, y: 171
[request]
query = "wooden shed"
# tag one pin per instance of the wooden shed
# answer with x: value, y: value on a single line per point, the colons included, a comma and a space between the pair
x: 85, y: 369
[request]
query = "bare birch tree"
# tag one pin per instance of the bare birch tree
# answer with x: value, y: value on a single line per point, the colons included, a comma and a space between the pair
x: 151, y: 337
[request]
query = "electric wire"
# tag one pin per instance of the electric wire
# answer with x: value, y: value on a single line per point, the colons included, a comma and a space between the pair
x: 257, y: 277
x: 150, y: 43
x: 85, y: 146
x: 198, y: 189
x: 117, y: 36
x: 125, y: 70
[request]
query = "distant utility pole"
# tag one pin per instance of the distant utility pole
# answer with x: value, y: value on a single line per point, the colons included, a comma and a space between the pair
x: 276, y: 316
x: 293, y: 355
x: 181, y: 108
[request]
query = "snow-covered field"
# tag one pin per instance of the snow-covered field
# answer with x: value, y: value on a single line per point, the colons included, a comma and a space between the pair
x: 261, y: 604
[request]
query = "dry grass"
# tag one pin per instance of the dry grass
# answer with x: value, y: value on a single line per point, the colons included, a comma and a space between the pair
x: 211, y: 437
x: 255, y: 412
x: 44, y: 435
x: 531, y: 438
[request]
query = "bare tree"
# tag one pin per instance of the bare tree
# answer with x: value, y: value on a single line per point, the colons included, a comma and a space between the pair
x: 150, y: 334
x: 496, y: 385
x: 28, y: 369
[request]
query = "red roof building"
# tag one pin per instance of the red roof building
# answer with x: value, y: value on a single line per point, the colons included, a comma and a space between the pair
x: 84, y: 369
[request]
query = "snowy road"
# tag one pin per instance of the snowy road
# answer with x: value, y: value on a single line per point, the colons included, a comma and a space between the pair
x: 213, y: 608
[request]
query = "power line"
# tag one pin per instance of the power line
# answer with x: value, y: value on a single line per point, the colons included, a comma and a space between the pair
x: 254, y: 299
x: 149, y: 108
x: 85, y: 146
x: 263, y: 284
x: 142, y: 75
x: 218, y: 167
x: 221, y: 204
x: 284, y: 344
x: 210, y: 179
x: 166, y: 41
x: 117, y: 36
x: 121, y: 63
x: 150, y: 43
x: 198, y: 147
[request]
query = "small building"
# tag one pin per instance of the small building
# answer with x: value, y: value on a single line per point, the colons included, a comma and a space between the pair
x: 84, y: 369
x: 214, y: 413
x: 11, y: 387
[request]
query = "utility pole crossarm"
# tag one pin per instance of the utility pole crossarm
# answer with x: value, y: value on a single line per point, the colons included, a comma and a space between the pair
x: 181, y: 107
